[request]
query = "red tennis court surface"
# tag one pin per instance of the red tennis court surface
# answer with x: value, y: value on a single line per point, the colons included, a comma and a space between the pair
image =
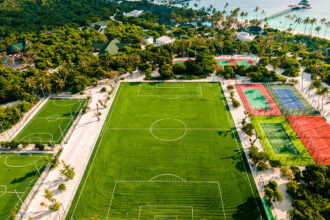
x: 274, y: 110
x: 234, y: 62
x: 181, y: 60
x: 314, y: 132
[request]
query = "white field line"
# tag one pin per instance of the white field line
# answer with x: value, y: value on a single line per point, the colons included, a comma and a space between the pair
x: 223, y: 207
x: 169, y: 87
x: 167, y: 206
x: 191, y: 129
x: 152, y: 181
x: 200, y: 88
x: 239, y: 150
x: 32, y: 119
x: 97, y: 148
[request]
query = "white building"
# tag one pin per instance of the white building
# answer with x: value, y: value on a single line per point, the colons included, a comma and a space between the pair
x: 148, y: 40
x: 134, y: 13
x: 244, y: 36
x: 164, y: 40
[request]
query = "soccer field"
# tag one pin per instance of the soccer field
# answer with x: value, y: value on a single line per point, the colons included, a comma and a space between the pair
x: 52, y: 121
x: 17, y: 172
x: 168, y: 151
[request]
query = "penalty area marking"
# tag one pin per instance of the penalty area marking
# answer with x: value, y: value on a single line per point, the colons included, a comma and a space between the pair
x: 68, y: 104
x: 167, y: 206
x: 28, y: 137
x: 173, y: 139
x: 166, y: 181
x: 20, y: 166
x: 4, y: 187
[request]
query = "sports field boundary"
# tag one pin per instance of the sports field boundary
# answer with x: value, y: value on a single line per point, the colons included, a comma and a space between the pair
x: 92, y: 153
x: 274, y: 109
x: 303, y: 158
x: 314, y: 132
x: 16, y: 129
x: 61, y: 139
x: 309, y: 109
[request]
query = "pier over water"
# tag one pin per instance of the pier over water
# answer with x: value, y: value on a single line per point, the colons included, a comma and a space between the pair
x: 302, y: 5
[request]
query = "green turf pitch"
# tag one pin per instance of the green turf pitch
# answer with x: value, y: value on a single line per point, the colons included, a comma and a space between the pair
x: 256, y: 99
x: 17, y: 172
x: 243, y: 63
x: 167, y: 151
x: 223, y: 63
x: 280, y: 141
x: 52, y: 121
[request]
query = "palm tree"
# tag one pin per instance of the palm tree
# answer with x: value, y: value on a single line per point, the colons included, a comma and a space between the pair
x: 297, y: 21
x: 306, y: 22
x: 317, y: 29
x: 256, y: 11
x: 312, y: 22
x: 286, y: 20
x: 326, y: 30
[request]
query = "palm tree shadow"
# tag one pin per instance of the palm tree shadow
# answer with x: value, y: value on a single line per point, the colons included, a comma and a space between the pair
x: 21, y: 179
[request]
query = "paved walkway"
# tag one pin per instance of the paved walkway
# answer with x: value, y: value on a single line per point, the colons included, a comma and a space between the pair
x: 76, y: 153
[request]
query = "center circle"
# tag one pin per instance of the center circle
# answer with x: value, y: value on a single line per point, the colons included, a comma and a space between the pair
x: 168, y: 129
x: 53, y: 118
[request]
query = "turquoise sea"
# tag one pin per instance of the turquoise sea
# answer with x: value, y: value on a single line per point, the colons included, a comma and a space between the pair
x: 320, y: 9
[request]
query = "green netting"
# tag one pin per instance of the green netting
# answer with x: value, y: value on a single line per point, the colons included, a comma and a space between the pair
x: 256, y: 99
x: 243, y: 63
x: 278, y: 138
x: 267, y: 209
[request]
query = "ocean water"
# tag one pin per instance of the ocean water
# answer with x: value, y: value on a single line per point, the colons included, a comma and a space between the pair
x: 320, y: 9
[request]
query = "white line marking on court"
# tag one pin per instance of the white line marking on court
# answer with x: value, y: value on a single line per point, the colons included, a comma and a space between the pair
x: 165, y: 216
x: 167, y: 174
x: 221, y: 92
x: 139, y: 89
x: 25, y: 165
x: 200, y: 88
x: 97, y: 149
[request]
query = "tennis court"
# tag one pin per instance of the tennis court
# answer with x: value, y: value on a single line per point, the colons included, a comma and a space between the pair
x: 223, y: 63
x: 314, y: 132
x: 280, y: 141
x: 289, y: 99
x: 257, y: 99
x: 243, y: 63
x: 278, y: 138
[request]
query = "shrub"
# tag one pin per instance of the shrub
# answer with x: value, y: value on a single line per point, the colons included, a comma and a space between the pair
x: 230, y: 87
x: 236, y: 103
x: 62, y: 187
x: 275, y: 163
x: 286, y: 172
x: 262, y: 166
x: 55, y: 206
x: 39, y: 146
x: 248, y: 129
x: 103, y: 89
x: 272, y: 193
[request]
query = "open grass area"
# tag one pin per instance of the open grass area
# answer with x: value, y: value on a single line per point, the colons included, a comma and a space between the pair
x: 168, y: 151
x: 280, y: 141
x: 52, y: 121
x: 289, y: 100
x: 18, y: 173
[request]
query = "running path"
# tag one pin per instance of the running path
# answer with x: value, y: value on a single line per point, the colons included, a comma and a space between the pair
x: 76, y: 153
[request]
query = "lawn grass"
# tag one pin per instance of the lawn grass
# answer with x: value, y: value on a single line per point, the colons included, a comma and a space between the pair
x: 18, y: 172
x: 52, y: 121
x: 168, y: 150
x: 309, y: 109
x: 280, y: 141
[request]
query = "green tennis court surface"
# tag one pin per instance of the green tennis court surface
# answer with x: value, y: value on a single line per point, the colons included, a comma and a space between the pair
x: 256, y: 99
x: 278, y: 138
x: 243, y: 63
x: 223, y: 63
x: 18, y: 173
x: 52, y: 121
x: 168, y: 151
